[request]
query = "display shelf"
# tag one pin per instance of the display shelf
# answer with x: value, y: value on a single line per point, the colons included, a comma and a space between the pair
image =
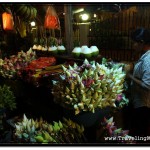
x: 64, y: 57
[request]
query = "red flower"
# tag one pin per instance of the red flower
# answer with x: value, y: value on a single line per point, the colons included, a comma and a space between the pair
x: 101, y: 77
x: 87, y: 82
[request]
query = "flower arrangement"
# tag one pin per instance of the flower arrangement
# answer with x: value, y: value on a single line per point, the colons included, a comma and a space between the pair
x: 10, y: 68
x: 114, y: 134
x: 90, y: 86
x: 40, y: 131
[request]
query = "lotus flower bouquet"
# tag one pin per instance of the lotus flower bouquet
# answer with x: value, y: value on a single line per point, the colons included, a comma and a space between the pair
x: 114, y: 134
x: 90, y: 86
x: 9, y: 68
x: 40, y: 131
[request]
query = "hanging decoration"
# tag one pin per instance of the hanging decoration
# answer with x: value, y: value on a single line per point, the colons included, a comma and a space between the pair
x: 22, y: 29
x: 51, y: 19
x: 7, y: 20
x: 26, y: 12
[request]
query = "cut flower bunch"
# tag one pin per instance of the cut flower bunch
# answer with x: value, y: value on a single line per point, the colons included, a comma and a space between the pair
x: 90, y: 86
x: 117, y: 135
x: 40, y: 131
x: 11, y: 67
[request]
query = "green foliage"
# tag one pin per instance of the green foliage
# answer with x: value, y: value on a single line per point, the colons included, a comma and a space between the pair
x: 123, y: 102
x: 35, y: 41
x: 104, y: 60
x: 7, y: 98
x: 76, y: 43
x: 41, y: 41
x: 52, y: 41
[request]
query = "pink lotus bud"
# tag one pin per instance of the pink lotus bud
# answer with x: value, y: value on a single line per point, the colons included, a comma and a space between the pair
x: 119, y: 97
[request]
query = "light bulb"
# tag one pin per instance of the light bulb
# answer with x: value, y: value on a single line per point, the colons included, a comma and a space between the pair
x: 85, y: 17
x: 33, y: 23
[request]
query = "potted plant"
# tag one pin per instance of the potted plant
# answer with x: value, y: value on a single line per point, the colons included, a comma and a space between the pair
x: 90, y: 86
x: 7, y: 102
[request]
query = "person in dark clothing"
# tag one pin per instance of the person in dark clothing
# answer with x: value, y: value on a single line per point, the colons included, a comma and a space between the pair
x: 140, y: 84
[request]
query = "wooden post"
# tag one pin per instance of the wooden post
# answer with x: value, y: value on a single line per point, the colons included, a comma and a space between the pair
x: 68, y: 27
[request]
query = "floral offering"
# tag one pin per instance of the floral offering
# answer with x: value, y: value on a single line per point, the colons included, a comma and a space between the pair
x: 90, y: 86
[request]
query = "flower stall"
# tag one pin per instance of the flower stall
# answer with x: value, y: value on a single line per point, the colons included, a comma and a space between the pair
x: 56, y: 86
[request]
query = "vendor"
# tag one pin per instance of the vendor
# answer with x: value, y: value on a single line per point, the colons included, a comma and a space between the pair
x: 140, y: 83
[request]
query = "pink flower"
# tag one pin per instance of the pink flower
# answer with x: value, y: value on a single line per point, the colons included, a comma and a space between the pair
x: 125, y: 132
x: 119, y: 97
